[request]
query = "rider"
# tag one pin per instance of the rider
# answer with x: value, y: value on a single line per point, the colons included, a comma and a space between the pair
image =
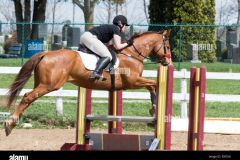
x: 95, y: 38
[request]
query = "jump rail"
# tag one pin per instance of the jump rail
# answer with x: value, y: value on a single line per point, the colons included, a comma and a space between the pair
x: 115, y: 140
x: 120, y: 118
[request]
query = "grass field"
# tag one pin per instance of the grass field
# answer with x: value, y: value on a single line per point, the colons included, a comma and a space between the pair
x: 211, y: 67
x: 215, y: 109
x: 129, y: 109
x: 212, y: 86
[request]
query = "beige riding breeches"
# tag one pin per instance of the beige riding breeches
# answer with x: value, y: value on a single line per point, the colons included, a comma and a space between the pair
x: 95, y: 45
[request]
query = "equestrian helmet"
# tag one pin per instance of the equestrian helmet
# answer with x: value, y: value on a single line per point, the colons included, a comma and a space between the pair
x: 120, y: 19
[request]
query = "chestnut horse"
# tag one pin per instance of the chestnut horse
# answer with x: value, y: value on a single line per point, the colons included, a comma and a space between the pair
x: 54, y: 68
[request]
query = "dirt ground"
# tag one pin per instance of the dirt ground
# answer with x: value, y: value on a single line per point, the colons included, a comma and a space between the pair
x: 53, y: 139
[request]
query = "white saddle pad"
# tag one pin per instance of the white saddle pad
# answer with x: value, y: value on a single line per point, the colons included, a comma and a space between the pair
x: 90, y: 61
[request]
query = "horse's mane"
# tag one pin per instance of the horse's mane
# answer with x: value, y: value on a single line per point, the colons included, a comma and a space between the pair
x: 139, y: 34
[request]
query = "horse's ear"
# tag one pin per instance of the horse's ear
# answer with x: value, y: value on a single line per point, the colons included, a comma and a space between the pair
x: 169, y: 31
x: 160, y: 32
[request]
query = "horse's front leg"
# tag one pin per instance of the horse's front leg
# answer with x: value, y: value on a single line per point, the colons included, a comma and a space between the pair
x: 151, y: 86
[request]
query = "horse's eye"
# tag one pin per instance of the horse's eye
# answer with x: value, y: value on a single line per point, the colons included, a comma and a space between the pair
x: 168, y: 47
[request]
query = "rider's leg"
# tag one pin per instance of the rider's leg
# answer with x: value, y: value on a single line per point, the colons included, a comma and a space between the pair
x: 99, y: 48
x: 102, y: 63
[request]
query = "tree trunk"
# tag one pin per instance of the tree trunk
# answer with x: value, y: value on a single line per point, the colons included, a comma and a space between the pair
x: 19, y: 18
x: 38, y: 16
x: 125, y: 1
x: 54, y: 9
x: 116, y: 9
x: 88, y: 13
x: 238, y: 21
x: 88, y: 10
x: 27, y: 15
x: 109, y: 11
x: 145, y: 10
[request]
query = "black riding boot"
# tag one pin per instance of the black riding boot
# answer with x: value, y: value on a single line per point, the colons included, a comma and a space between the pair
x: 102, y: 63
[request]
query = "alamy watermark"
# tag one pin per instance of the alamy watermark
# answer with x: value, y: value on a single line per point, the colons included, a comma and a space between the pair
x: 5, y: 117
x: 35, y: 46
x: 18, y: 157
x: 169, y: 118
x: 203, y: 47
x: 125, y: 71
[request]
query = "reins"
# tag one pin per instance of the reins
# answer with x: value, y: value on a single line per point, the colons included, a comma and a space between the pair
x: 156, y: 60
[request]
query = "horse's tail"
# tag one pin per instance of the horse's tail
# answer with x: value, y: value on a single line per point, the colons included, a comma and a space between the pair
x: 23, y: 76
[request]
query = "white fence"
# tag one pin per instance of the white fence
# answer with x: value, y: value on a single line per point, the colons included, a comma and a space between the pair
x: 183, y: 97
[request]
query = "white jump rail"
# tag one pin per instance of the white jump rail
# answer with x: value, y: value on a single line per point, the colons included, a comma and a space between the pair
x: 183, y: 97
x: 120, y: 118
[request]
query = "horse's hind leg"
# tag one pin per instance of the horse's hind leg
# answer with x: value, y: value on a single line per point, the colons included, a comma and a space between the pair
x: 27, y: 99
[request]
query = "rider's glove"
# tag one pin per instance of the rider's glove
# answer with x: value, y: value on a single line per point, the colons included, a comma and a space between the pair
x: 130, y: 42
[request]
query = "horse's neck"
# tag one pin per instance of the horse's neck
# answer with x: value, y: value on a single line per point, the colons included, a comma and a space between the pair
x: 144, y: 49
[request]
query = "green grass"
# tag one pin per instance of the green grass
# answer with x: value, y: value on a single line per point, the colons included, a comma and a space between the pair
x: 215, y: 109
x: 228, y: 110
x: 213, y: 86
x: 211, y: 67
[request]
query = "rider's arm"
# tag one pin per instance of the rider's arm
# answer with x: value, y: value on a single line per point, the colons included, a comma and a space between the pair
x: 109, y: 43
x: 117, y: 42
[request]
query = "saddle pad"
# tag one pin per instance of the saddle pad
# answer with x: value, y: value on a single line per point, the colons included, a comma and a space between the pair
x: 90, y: 61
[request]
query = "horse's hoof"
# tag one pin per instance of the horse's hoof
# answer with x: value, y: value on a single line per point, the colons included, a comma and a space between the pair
x: 6, y: 127
x: 152, y: 112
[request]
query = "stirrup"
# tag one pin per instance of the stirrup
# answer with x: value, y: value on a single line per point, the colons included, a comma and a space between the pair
x: 98, y: 77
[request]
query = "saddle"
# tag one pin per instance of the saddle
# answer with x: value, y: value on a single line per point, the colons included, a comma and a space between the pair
x: 85, y: 49
x: 110, y: 66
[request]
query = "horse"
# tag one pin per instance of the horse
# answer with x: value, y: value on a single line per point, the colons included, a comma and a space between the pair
x: 54, y: 68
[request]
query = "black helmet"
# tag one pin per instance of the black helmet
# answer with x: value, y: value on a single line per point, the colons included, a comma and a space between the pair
x: 120, y: 19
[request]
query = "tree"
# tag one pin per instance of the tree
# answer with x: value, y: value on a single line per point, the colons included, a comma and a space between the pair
x: 225, y: 14
x: 109, y: 11
x: 101, y: 17
x: 238, y: 21
x: 88, y: 10
x: 54, y: 6
x: 38, y: 16
x: 117, y: 3
x: 8, y: 13
x: 145, y: 10
x: 188, y: 12
x: 88, y: 6
x: 156, y: 11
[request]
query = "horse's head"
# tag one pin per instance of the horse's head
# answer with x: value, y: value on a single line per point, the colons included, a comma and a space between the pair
x: 156, y: 43
x: 161, y: 51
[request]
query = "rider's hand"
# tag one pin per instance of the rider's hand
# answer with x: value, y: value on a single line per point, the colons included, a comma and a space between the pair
x: 130, y: 42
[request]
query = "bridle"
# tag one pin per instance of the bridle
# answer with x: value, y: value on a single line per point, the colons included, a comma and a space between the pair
x: 157, y: 60
x: 165, y: 52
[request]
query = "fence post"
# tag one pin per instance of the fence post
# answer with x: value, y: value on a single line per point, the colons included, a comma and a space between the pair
x: 179, y: 54
x: 22, y: 41
x: 183, y: 85
x: 59, y: 103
